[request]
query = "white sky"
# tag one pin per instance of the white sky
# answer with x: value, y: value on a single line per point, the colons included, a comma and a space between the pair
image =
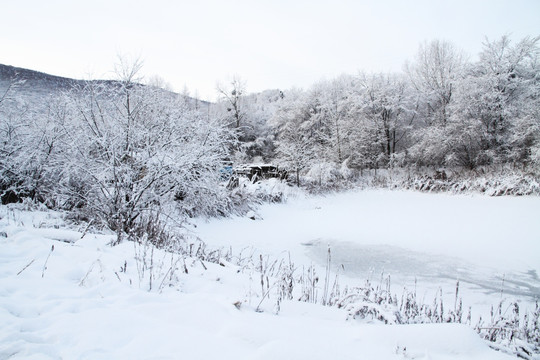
x: 268, y: 43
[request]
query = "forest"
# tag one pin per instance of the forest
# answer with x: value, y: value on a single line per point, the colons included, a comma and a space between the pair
x: 121, y: 153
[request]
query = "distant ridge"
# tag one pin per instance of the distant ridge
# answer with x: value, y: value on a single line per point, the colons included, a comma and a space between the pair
x: 33, y: 86
x: 9, y: 73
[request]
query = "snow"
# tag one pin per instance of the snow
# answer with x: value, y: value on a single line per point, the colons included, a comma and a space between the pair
x: 66, y: 294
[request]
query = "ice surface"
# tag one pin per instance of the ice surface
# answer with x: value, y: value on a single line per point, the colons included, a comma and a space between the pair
x: 434, y: 238
x: 424, y: 271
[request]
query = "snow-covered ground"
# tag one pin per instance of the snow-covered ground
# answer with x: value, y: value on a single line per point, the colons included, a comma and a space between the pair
x: 68, y: 296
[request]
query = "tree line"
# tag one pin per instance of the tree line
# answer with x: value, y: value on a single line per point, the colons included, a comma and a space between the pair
x: 443, y: 110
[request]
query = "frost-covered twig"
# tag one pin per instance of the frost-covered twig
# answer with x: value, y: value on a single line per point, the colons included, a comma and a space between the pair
x: 87, y: 227
x: 46, y: 260
x: 98, y: 261
x: 27, y: 265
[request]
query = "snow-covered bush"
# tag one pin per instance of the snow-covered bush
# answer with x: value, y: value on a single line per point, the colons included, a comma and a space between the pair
x: 130, y: 150
x: 116, y: 152
x: 489, y: 181
x: 25, y: 149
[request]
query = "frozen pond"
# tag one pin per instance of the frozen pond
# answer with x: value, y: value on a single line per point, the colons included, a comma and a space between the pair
x: 433, y: 238
x: 405, y: 267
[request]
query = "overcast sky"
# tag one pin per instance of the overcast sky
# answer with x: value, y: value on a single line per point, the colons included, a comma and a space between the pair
x: 268, y: 43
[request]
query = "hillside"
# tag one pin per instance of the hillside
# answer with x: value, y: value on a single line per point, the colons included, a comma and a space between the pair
x: 34, y: 88
x: 31, y: 88
x: 34, y: 79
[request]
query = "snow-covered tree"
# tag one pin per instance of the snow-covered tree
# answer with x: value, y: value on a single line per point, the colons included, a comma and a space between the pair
x: 294, y: 146
x: 26, y: 147
x: 257, y: 141
x: 13, y: 128
x: 495, y: 116
x: 438, y: 66
x: 387, y: 103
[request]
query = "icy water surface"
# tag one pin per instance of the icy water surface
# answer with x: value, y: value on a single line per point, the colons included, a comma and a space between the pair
x: 491, y: 245
x: 404, y: 266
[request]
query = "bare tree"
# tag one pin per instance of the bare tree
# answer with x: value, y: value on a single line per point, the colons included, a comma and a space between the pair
x: 232, y: 96
x: 158, y: 82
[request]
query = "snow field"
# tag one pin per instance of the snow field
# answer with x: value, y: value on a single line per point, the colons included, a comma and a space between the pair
x: 88, y: 300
